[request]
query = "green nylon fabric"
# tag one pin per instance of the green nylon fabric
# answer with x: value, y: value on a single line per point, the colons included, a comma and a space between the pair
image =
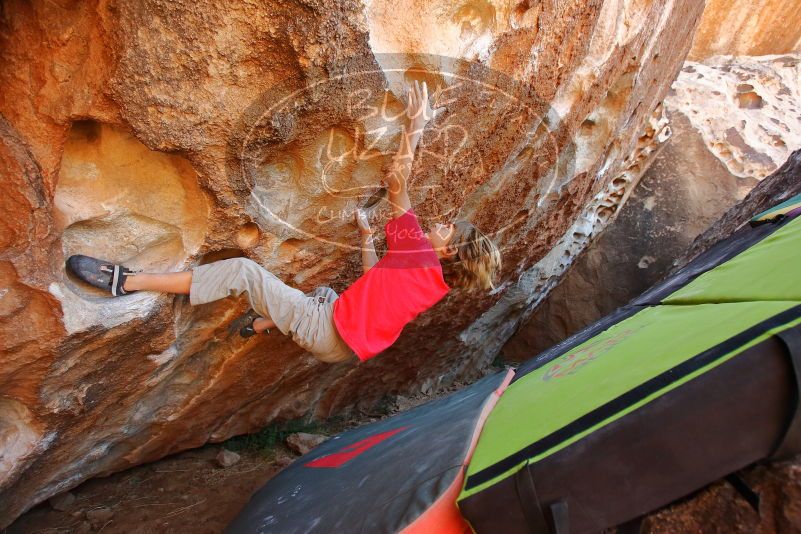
x: 757, y: 284
x: 770, y: 270
x: 788, y: 205
x: 605, y: 367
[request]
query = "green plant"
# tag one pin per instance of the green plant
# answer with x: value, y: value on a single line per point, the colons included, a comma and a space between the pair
x: 265, y: 440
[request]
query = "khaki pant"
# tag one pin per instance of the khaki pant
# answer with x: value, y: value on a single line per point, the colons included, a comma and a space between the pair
x: 307, y: 319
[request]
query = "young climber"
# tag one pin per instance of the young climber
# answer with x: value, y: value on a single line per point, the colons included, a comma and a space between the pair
x: 370, y: 314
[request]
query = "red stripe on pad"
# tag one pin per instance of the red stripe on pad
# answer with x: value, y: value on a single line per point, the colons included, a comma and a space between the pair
x: 353, y: 450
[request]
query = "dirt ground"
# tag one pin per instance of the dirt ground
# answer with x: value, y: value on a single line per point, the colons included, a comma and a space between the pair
x: 179, y: 494
x: 188, y: 492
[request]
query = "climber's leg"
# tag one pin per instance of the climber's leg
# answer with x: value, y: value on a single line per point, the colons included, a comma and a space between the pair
x: 307, y: 319
x: 319, y: 331
x: 165, y: 282
x: 263, y: 323
x: 271, y: 298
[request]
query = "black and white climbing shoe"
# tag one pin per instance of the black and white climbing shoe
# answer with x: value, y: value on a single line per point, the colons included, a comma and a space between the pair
x: 99, y: 273
x: 245, y: 324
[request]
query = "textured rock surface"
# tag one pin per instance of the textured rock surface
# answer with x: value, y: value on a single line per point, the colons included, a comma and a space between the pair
x: 226, y: 458
x: 747, y: 28
x: 734, y: 121
x: 719, y: 508
x: 303, y: 442
x: 684, y: 191
x: 746, y: 109
x: 62, y: 502
x: 144, y: 132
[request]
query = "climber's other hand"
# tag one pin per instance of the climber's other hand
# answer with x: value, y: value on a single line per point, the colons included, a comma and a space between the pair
x: 418, y: 108
x: 362, y: 221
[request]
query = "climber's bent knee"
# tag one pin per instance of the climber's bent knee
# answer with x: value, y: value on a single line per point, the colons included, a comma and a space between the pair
x: 317, y: 333
x: 245, y: 264
x: 231, y: 277
x: 336, y: 357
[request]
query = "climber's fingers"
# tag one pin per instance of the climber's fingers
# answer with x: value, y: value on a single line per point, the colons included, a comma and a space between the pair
x: 411, y: 106
x: 418, y: 104
x: 425, y: 105
x: 362, y: 221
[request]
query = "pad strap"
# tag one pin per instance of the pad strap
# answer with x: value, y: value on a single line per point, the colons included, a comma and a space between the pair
x: 529, y: 501
x: 745, y: 491
x: 790, y: 443
x: 532, y: 508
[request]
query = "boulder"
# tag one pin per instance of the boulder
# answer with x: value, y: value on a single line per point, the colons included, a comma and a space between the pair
x: 226, y: 458
x: 744, y: 109
x: 62, y: 502
x: 303, y: 442
x: 98, y: 517
x: 716, y: 154
x: 166, y: 134
x: 747, y: 28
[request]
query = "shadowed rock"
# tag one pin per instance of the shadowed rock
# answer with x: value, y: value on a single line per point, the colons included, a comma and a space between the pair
x: 160, y: 133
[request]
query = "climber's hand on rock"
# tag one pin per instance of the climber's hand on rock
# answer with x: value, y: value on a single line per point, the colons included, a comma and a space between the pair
x: 418, y: 108
x: 362, y: 222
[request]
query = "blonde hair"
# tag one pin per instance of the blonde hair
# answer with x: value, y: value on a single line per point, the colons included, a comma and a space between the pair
x: 477, y: 261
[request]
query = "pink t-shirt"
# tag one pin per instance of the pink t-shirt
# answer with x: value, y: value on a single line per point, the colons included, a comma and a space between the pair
x: 371, y: 313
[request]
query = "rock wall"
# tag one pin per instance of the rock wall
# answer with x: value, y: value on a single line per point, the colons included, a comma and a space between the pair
x: 747, y: 110
x: 716, y: 154
x: 674, y: 202
x: 166, y: 134
x: 747, y: 28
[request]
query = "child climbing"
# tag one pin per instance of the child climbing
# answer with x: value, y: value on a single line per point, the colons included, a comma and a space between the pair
x: 369, y: 316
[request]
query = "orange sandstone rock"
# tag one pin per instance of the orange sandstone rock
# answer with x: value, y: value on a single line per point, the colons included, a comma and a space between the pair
x: 166, y: 134
x: 747, y: 28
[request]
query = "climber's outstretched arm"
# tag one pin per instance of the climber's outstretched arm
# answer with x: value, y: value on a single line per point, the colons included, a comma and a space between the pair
x: 369, y: 257
x: 418, y: 113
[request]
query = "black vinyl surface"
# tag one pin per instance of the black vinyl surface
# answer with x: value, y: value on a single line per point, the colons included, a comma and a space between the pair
x: 633, y: 396
x: 388, y: 472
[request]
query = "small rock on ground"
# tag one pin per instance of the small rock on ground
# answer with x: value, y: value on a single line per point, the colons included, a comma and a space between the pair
x: 62, y: 502
x: 226, y: 458
x: 283, y: 457
x: 99, y: 516
x: 302, y: 442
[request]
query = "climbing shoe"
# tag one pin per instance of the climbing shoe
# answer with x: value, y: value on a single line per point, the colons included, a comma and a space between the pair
x: 99, y: 273
x: 245, y: 324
